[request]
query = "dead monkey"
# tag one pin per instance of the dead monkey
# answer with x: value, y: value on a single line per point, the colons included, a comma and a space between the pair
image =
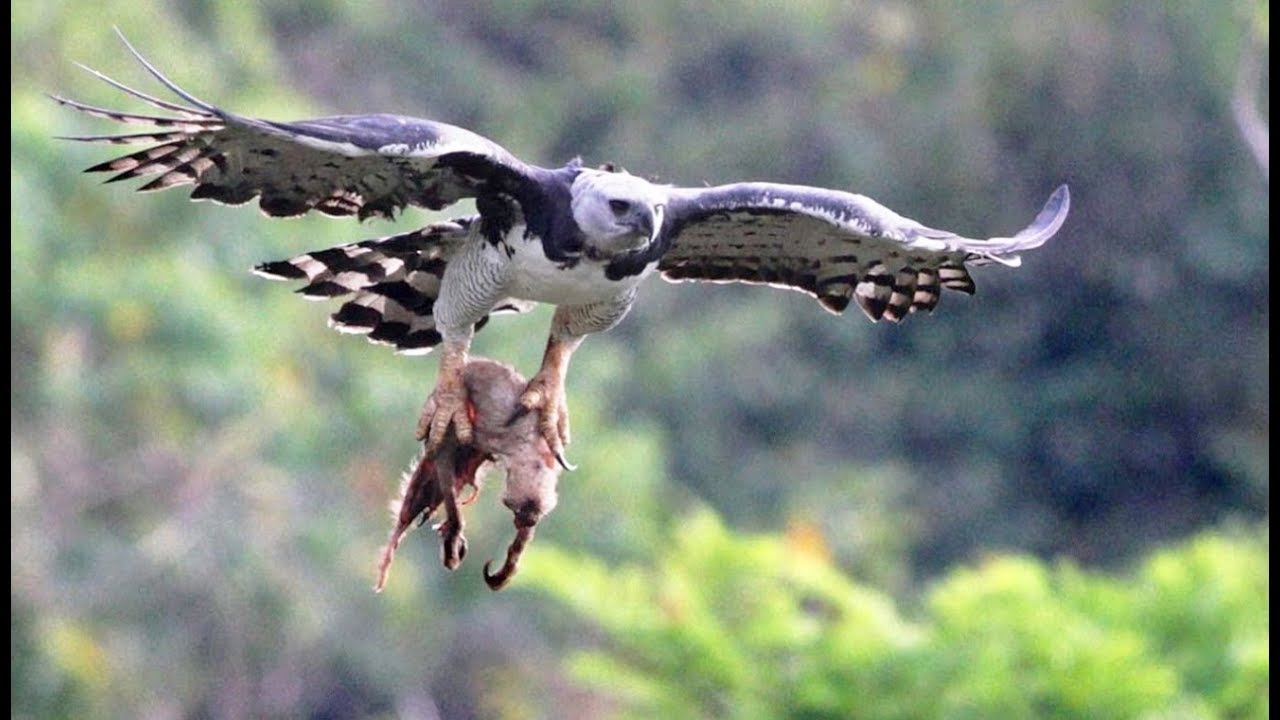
x: 500, y: 437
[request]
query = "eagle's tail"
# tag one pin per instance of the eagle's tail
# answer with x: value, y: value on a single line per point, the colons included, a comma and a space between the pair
x: 395, y: 281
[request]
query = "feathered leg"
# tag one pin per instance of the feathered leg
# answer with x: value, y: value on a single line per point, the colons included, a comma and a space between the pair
x: 471, y: 286
x: 545, y: 392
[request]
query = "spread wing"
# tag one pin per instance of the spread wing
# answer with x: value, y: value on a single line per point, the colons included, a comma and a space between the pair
x: 392, y: 284
x: 834, y: 245
x: 362, y: 165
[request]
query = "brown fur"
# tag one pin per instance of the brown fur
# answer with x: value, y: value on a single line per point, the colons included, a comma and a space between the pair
x: 531, y: 472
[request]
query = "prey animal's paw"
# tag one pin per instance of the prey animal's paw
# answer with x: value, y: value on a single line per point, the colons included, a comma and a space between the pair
x: 453, y: 544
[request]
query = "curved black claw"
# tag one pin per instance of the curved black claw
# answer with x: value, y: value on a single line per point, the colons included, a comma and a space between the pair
x: 564, y: 463
x: 519, y: 412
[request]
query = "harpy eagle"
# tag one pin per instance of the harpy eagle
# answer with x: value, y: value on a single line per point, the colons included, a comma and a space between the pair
x: 581, y: 239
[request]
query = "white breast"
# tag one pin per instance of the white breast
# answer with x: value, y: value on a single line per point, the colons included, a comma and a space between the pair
x: 533, y: 277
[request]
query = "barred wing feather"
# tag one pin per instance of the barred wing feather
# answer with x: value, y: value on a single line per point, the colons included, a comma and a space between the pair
x: 833, y: 245
x: 361, y: 165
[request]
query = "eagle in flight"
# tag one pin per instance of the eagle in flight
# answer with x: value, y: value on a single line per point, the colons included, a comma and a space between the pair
x: 579, y: 238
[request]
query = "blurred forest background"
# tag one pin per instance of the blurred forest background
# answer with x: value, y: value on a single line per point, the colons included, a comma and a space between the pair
x: 1048, y: 500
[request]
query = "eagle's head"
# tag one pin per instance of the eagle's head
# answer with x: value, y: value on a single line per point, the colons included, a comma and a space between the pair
x: 617, y: 211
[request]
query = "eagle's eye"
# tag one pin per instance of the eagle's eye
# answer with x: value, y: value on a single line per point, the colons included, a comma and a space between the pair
x: 619, y: 207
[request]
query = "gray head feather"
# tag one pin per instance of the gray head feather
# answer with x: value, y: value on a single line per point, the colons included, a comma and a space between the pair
x: 616, y: 211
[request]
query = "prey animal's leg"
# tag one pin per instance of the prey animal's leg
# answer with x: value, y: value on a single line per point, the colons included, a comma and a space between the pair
x: 545, y: 392
x: 453, y: 546
x: 421, y: 493
x: 434, y: 482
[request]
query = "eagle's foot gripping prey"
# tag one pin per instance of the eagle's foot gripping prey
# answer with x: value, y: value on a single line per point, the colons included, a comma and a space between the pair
x: 545, y: 398
x: 492, y: 396
x: 447, y: 408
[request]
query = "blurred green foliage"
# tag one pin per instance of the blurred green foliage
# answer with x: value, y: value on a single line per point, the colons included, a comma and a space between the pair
x: 725, y: 625
x: 200, y: 469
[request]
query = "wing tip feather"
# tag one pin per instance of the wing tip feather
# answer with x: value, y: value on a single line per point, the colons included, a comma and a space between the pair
x: 173, y: 87
x: 1046, y: 223
x: 278, y: 270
